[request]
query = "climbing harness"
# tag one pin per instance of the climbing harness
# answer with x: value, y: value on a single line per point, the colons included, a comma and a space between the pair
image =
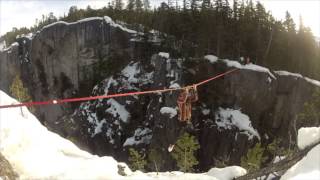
x: 68, y: 100
x: 185, y: 100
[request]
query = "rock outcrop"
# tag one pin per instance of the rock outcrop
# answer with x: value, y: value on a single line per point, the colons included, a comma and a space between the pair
x: 97, y: 56
x: 6, y: 170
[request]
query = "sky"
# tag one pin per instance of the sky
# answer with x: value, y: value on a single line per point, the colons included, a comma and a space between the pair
x: 22, y: 13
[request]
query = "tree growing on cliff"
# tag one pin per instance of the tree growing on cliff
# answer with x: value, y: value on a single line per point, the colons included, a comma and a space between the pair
x: 254, y: 158
x: 19, y: 92
x: 184, y: 151
x: 136, y: 160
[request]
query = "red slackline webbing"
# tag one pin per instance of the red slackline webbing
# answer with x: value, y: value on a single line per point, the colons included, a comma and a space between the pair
x: 61, y: 101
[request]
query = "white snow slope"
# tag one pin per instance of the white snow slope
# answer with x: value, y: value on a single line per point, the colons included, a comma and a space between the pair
x: 309, y: 166
x: 36, y: 153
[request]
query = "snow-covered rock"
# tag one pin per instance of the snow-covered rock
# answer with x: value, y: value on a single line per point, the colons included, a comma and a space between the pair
x: 140, y: 136
x: 308, y: 136
x: 228, y: 118
x: 211, y: 58
x: 117, y: 110
x: 169, y: 110
x: 227, y: 173
x: 296, y: 75
x: 164, y: 54
x: 253, y: 67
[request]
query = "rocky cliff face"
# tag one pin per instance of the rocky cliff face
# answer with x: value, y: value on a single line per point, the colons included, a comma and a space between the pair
x: 97, y: 56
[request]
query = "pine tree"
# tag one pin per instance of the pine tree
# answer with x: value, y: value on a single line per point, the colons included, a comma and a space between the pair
x: 186, y: 4
x: 205, y: 5
x: 289, y: 23
x: 194, y: 4
x: 137, y: 161
x: 183, y: 152
x: 139, y: 5
x: 118, y: 4
x: 131, y: 5
x: 253, y: 159
x: 146, y: 5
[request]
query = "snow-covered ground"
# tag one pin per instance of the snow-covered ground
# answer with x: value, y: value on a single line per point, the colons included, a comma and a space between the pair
x: 308, y: 167
x: 36, y: 153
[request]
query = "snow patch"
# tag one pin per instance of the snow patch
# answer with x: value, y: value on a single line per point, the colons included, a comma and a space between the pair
x: 131, y: 71
x: 205, y: 111
x: 111, y: 82
x: 227, y: 173
x: 307, y: 168
x: 164, y: 54
x: 211, y: 58
x: 175, y: 86
x: 236, y: 64
x: 107, y: 19
x: 169, y: 110
x: 286, y: 73
x: 228, y: 118
x: 112, y: 23
x: 308, y: 136
x: 98, y: 127
x: 118, y: 110
x: 312, y: 81
x: 140, y: 136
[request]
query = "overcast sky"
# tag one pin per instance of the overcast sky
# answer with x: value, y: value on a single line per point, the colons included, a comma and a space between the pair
x: 19, y: 13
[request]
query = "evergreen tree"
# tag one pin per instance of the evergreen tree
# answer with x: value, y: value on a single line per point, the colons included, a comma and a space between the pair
x: 131, y: 5
x: 118, y: 4
x: 186, y: 5
x: 184, y: 151
x: 254, y: 158
x: 146, y: 5
x: 206, y: 4
x: 136, y: 160
x: 194, y: 4
x: 289, y: 23
x: 139, y: 5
